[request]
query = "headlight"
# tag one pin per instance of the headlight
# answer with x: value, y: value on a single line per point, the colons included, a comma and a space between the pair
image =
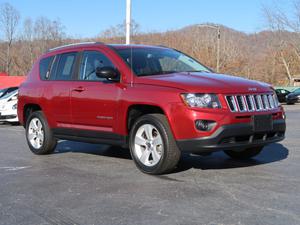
x: 201, y: 100
x: 15, y: 106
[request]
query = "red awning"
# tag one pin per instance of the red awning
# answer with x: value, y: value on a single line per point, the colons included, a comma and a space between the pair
x: 11, y: 81
x: 3, y: 74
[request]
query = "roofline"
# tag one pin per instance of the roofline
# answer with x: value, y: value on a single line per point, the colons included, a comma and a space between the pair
x: 137, y: 45
x: 101, y: 43
x: 74, y: 44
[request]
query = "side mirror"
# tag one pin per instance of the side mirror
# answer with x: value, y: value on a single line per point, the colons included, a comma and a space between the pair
x: 107, y: 72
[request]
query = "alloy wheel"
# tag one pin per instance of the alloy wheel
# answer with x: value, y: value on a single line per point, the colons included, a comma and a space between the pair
x: 35, y: 133
x: 148, y: 145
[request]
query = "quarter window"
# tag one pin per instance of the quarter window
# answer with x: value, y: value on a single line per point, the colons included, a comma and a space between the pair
x: 90, y: 61
x: 45, y: 65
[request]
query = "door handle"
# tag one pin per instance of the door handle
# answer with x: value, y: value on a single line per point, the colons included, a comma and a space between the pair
x: 79, y: 89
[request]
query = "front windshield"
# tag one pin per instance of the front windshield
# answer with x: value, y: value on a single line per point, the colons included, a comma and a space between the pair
x: 9, y: 95
x: 3, y: 92
x: 156, y: 61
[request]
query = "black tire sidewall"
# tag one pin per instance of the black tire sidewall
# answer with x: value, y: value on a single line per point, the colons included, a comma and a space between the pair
x: 148, y: 119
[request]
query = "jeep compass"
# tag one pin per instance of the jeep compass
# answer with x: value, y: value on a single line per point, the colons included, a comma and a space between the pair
x: 157, y: 101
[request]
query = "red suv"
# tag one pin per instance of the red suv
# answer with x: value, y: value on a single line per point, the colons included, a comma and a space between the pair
x: 157, y: 101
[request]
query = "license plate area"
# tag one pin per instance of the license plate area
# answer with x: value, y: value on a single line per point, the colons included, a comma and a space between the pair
x: 262, y: 123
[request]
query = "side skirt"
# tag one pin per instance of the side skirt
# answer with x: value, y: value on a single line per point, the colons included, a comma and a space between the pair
x: 91, y: 136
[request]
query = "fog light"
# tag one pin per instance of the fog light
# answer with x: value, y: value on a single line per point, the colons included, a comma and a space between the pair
x: 204, y: 125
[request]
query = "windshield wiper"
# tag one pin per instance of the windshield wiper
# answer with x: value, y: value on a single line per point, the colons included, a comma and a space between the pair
x: 197, y: 71
x: 157, y: 73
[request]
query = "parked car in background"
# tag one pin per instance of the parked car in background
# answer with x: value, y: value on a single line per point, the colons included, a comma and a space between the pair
x: 293, y: 97
x: 8, y: 107
x: 157, y: 101
x: 281, y: 94
x: 6, y: 91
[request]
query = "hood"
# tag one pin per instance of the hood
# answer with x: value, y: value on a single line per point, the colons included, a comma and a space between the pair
x: 206, y: 83
x: 292, y: 94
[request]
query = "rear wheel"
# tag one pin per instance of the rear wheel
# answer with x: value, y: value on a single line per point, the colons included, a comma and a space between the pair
x: 244, y: 154
x: 38, y: 134
x: 152, y: 145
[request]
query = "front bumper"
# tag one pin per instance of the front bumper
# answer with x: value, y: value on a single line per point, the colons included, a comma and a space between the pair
x: 234, y: 137
x: 8, y: 117
x: 292, y: 100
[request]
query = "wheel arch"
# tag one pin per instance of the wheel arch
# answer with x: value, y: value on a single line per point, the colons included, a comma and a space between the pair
x: 28, y: 109
x: 137, y: 110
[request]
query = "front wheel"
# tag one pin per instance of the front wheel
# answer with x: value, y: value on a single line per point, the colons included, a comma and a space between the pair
x: 152, y: 145
x: 38, y: 134
x: 244, y: 154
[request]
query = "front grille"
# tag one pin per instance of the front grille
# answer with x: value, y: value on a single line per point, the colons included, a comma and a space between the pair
x: 250, y: 103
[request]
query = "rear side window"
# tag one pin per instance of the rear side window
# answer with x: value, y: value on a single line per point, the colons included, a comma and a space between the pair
x: 45, y: 65
x: 66, y: 66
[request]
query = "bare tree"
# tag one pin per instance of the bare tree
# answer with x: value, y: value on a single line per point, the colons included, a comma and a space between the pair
x: 48, y: 33
x: 36, y: 37
x: 286, y: 32
x: 28, y: 38
x: 119, y: 30
x: 9, y: 19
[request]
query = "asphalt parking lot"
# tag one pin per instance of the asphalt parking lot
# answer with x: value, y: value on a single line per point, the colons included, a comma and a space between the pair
x: 97, y: 184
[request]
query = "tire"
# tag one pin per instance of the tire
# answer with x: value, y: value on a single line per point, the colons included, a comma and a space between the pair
x: 158, y: 154
x: 38, y: 134
x: 245, y: 154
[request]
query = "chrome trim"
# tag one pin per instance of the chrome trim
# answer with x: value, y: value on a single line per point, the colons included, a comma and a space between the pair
x: 232, y: 100
x: 271, y: 101
x: 251, y: 102
x: 243, y: 103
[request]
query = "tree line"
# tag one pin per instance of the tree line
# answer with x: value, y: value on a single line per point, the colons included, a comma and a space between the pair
x: 271, y: 56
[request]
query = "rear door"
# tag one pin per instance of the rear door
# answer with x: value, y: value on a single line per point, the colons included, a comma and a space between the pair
x: 94, y: 100
x: 59, y: 87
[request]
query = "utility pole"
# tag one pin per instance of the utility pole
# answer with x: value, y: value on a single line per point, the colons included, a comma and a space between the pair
x: 128, y: 21
x: 218, y: 48
x: 217, y: 27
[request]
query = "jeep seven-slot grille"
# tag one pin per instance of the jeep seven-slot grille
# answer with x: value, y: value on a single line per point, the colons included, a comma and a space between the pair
x: 250, y: 103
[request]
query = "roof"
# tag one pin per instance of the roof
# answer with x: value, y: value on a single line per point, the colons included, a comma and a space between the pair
x: 123, y: 46
x: 11, y: 81
x: 90, y: 44
x: 74, y: 45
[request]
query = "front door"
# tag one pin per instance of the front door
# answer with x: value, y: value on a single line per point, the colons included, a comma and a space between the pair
x: 93, y: 99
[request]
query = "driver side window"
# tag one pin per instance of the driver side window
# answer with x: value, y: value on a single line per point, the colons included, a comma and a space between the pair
x: 89, y: 62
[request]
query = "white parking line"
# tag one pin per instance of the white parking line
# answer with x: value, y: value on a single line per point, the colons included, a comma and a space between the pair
x: 14, y: 168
